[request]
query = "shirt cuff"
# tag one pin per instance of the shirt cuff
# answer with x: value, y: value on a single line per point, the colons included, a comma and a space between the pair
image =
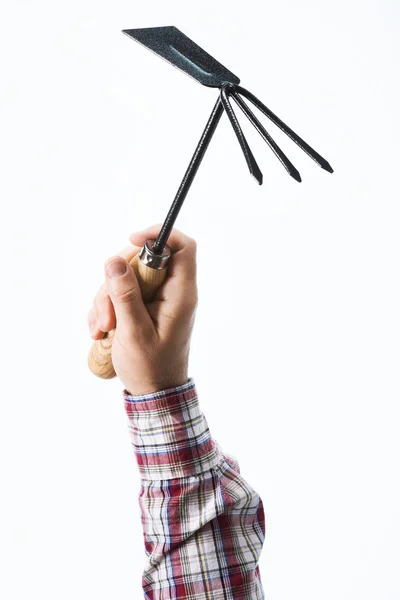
x: 170, y: 434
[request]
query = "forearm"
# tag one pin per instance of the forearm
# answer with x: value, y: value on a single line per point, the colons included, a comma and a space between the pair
x: 203, y: 524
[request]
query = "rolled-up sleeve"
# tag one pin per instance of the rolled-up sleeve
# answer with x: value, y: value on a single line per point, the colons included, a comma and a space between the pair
x: 203, y: 524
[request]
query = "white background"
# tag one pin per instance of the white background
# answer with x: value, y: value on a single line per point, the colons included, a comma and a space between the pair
x: 296, y: 347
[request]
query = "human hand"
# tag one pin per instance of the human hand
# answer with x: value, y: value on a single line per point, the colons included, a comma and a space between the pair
x: 150, y: 349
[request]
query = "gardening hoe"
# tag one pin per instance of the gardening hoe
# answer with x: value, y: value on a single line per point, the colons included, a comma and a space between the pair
x: 175, y: 47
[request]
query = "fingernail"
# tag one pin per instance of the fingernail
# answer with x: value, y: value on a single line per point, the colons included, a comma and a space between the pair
x: 92, y: 328
x: 116, y: 268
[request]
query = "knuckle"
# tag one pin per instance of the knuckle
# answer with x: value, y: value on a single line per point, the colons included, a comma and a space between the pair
x: 191, y: 245
x: 126, y: 296
x: 189, y: 252
x: 106, y: 322
x: 193, y: 242
x: 189, y: 303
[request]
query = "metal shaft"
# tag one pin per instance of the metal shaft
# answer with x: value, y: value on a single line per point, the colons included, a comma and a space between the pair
x: 189, y: 177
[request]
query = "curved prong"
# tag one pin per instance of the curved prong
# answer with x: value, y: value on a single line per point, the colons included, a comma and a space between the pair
x: 251, y: 161
x: 290, y: 168
x: 301, y: 143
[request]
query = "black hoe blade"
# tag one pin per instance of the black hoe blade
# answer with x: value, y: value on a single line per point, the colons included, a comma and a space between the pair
x: 179, y: 50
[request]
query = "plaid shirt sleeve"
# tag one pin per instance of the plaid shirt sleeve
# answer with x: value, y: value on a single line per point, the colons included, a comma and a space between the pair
x: 203, y: 524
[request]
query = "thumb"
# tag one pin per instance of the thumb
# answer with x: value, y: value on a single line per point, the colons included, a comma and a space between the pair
x: 124, y: 291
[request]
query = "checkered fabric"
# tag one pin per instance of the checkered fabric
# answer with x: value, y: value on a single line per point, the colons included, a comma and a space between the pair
x: 203, y: 524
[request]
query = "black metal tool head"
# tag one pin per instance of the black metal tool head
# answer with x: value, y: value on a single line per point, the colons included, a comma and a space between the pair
x: 179, y: 50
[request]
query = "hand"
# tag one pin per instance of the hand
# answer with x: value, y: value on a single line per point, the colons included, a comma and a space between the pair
x: 150, y: 349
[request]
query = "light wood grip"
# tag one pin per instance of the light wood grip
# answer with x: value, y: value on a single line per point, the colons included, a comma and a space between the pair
x: 99, y: 359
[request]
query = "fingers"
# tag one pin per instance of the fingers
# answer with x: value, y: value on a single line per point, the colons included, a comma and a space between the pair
x: 129, y: 252
x: 124, y: 291
x: 94, y: 328
x: 179, y: 289
x: 104, y: 310
x: 101, y: 317
x: 182, y: 264
x: 102, y: 302
x: 119, y: 300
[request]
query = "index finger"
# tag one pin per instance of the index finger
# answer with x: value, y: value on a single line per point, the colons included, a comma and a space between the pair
x: 181, y: 266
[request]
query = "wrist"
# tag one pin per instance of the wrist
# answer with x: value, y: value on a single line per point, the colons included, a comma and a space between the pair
x: 141, y: 388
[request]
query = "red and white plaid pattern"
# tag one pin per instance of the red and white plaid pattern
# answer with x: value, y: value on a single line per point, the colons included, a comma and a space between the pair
x: 203, y: 524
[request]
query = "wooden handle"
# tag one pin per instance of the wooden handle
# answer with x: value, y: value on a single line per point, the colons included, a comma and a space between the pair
x: 99, y: 359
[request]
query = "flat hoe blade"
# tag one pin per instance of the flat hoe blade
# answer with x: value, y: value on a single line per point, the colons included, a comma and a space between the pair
x: 179, y: 50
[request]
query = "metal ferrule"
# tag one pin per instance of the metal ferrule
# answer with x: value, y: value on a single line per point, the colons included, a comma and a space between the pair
x: 152, y: 260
